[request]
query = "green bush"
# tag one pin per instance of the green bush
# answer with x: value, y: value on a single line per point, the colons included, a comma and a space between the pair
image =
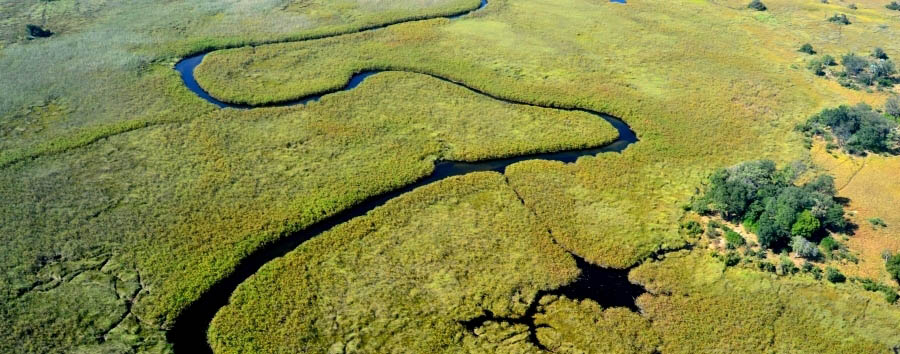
x: 890, y: 295
x: 835, y: 276
x: 840, y: 19
x: 766, y: 266
x: 692, y: 228
x: 35, y: 31
x: 879, y: 53
x: 828, y: 60
x: 829, y: 244
x: 786, y: 266
x: 877, y: 222
x: 734, y: 239
x: 732, y: 259
x: 893, y: 266
x: 757, y: 5
x: 816, y: 66
x: 807, y: 48
x: 893, y: 6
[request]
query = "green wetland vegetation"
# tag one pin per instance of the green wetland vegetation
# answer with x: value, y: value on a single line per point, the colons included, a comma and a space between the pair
x: 126, y: 197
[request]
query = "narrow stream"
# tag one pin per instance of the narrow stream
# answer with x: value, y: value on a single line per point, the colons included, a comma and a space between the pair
x: 609, y: 287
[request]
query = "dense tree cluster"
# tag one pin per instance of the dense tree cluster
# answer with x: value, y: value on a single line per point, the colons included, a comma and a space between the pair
x: 858, y: 129
x: 880, y: 70
x: 769, y: 203
x: 876, y: 69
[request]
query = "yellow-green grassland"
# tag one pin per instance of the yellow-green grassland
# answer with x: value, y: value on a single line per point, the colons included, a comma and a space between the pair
x: 124, y: 197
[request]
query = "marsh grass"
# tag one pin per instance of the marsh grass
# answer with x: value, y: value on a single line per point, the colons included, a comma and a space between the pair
x: 184, y: 202
x: 400, y: 278
x: 705, y: 85
x: 699, y: 305
x: 109, y: 69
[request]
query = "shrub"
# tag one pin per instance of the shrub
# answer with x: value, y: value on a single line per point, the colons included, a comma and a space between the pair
x: 766, y: 266
x: 35, y: 31
x: 692, y: 228
x: 835, y: 276
x: 732, y: 259
x: 828, y: 60
x: 786, y: 266
x: 817, y: 67
x: 893, y: 6
x: 757, y: 5
x: 877, y: 222
x: 816, y: 272
x: 807, y: 48
x: 879, y: 53
x: 829, y: 244
x: 734, y: 239
x: 803, y: 248
x: 892, y: 106
x: 893, y: 266
x: 840, y: 19
x: 890, y: 295
x: 852, y: 7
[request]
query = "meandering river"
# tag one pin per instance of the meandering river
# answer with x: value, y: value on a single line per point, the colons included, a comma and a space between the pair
x: 609, y: 287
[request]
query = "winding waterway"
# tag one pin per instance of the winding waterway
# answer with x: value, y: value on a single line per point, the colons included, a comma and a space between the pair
x: 609, y: 287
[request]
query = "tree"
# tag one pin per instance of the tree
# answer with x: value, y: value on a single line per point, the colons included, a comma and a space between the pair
x: 805, y: 226
x: 854, y: 64
x: 803, y: 248
x: 757, y: 5
x: 768, y: 232
x: 879, y: 53
x: 806, y: 48
x: 893, y: 6
x: 828, y: 60
x: 892, y: 106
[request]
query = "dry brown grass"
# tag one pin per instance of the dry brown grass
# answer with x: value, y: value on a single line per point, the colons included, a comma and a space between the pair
x: 872, y: 184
